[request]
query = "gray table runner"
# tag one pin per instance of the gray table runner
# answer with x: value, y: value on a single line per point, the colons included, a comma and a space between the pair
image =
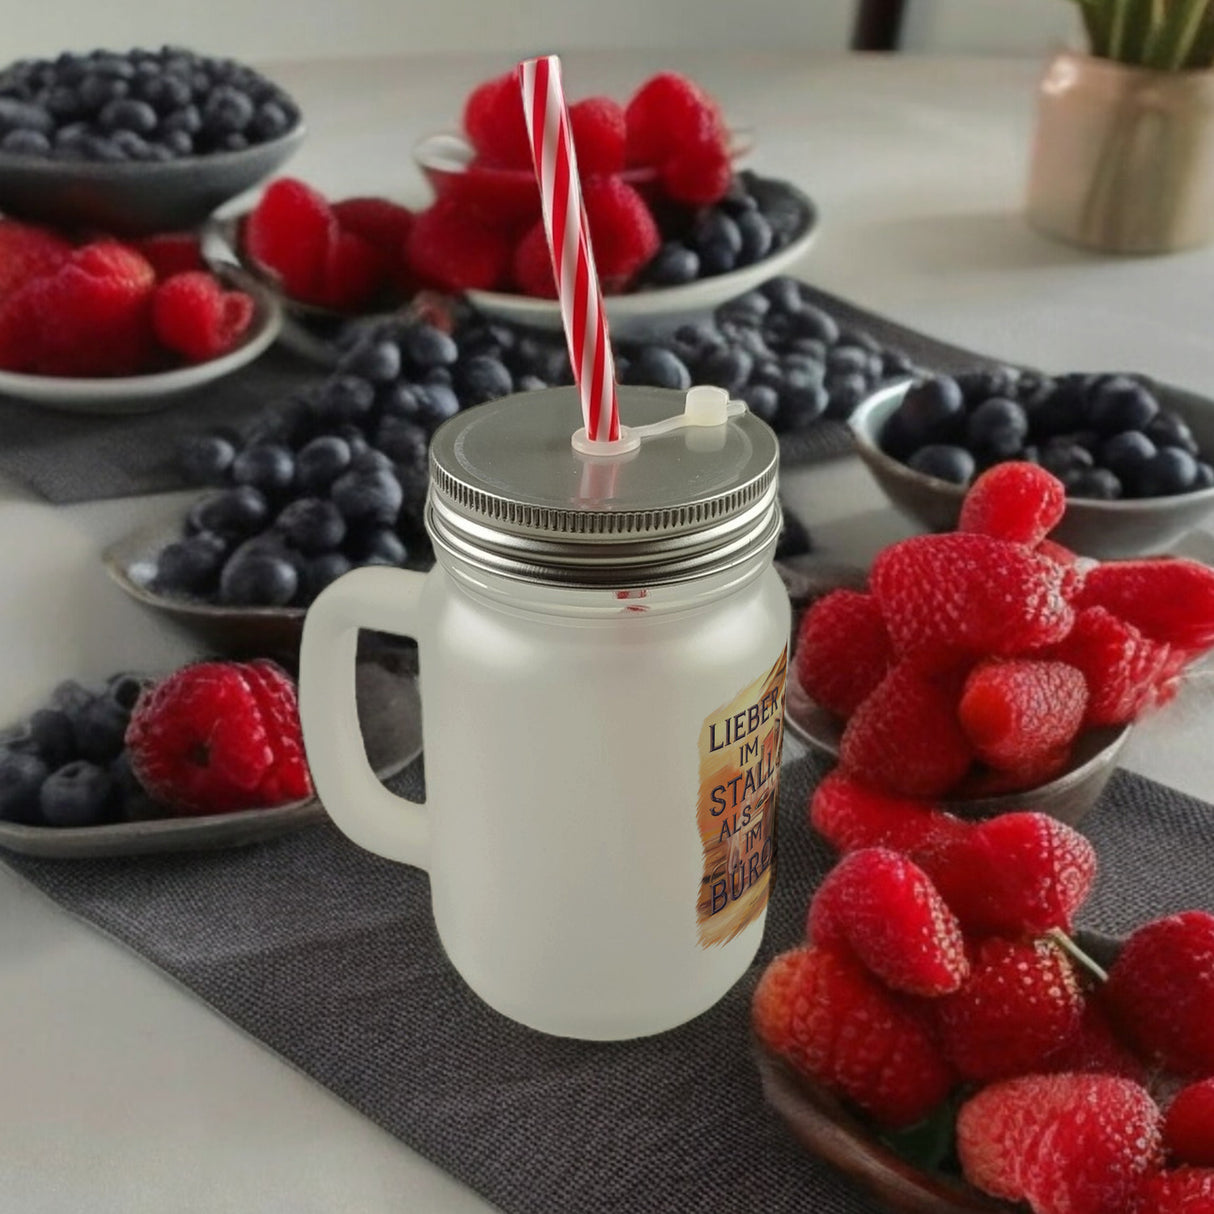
x: 328, y: 955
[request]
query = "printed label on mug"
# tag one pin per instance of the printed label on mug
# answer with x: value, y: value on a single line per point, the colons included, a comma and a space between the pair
x: 740, y: 747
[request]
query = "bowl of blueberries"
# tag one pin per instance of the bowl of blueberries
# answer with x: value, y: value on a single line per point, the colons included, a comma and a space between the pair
x: 1134, y: 456
x: 139, y: 141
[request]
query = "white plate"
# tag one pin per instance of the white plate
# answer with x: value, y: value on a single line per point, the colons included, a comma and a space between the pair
x: 638, y: 312
x: 146, y: 393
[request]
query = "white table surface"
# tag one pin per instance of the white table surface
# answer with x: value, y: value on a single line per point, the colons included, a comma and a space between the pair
x: 122, y: 1094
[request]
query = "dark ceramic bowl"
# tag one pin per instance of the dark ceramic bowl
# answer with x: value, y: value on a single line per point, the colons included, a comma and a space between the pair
x: 136, y: 198
x: 1099, y: 529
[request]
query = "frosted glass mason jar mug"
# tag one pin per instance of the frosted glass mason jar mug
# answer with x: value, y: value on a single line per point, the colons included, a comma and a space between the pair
x: 602, y: 647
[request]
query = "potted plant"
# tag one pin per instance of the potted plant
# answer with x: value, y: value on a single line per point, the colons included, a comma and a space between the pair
x: 1123, y: 158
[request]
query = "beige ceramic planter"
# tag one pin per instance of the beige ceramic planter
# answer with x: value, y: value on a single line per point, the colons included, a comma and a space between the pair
x: 1123, y: 158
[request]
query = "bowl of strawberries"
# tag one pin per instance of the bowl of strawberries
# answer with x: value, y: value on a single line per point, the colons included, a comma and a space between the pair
x: 990, y: 666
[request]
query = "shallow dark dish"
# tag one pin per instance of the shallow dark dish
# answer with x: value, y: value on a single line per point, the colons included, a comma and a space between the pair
x: 136, y: 198
x: 1134, y: 527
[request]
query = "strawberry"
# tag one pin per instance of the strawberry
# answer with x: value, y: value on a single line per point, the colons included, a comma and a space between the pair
x: 1123, y: 669
x: 1015, y: 501
x: 1161, y: 991
x: 495, y: 125
x: 819, y: 1009
x: 449, y: 249
x: 843, y: 650
x: 668, y: 113
x: 1019, y: 874
x: 171, y: 253
x: 622, y: 230
x: 195, y: 317
x: 1019, y: 712
x: 886, y: 910
x: 946, y: 597
x: 289, y: 232
x: 219, y: 736
x: 599, y: 134
x: 1184, y: 1191
x: 1020, y: 1003
x: 1066, y: 1144
x: 850, y: 815
x: 1188, y: 1128
x: 905, y: 737
x: 26, y: 253
x: 1167, y: 599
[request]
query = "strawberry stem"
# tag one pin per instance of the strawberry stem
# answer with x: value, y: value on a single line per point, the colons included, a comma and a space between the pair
x: 1068, y: 946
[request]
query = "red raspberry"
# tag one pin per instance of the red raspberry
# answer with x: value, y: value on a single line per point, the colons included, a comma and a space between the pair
x: 383, y: 224
x: 172, y: 253
x: 1122, y: 668
x: 1161, y: 991
x: 1020, y: 1003
x: 91, y: 317
x: 1018, y: 712
x: 289, y: 232
x: 1095, y: 1049
x: 622, y: 230
x: 1184, y: 1191
x: 531, y: 267
x: 352, y: 273
x: 26, y: 253
x: 1188, y: 1128
x: 1019, y: 777
x: 886, y: 910
x: 947, y: 596
x: 843, y: 650
x: 821, y: 1011
x: 1015, y: 875
x: 599, y: 132
x: 1167, y: 599
x: 905, y: 738
x: 667, y: 114
x: 1066, y: 1144
x: 219, y: 736
x: 195, y: 317
x: 507, y: 200
x: 495, y: 124
x: 850, y: 815
x: 447, y: 248
x: 699, y: 174
x: 1015, y: 501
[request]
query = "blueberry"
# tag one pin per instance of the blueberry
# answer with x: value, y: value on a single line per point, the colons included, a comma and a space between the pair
x: 1120, y: 403
x: 177, y: 144
x: 403, y: 441
x: 376, y: 361
x: 125, y: 689
x: 436, y: 404
x: 312, y: 525
x: 932, y: 409
x: 794, y: 536
x: 439, y: 375
x: 757, y: 237
x: 1170, y: 470
x: 717, y: 240
x: 657, y: 367
x: 353, y: 437
x: 78, y: 794
x: 945, y: 462
x: 257, y: 577
x: 1061, y: 455
x: 845, y: 392
x: 270, y: 122
x: 190, y: 565
x: 104, y: 151
x: 726, y: 368
x: 1205, y: 476
x: 895, y: 363
x: 345, y: 398
x: 268, y: 467
x: 21, y: 777
x: 1097, y: 483
x: 749, y: 308
x: 424, y: 346
x: 402, y: 401
x: 165, y: 92
x: 71, y: 697
x: 848, y: 360
x: 1033, y: 389
x: 1168, y: 429
x: 187, y: 120
x: 672, y: 265
x: 800, y: 405
x: 130, y: 800
x: 18, y: 115
x: 321, y: 462
x: 997, y: 427
x: 799, y: 370
x: 54, y: 740
x: 813, y: 322
x: 321, y: 571
x: 763, y: 401
x: 97, y: 91
x: 981, y: 384
x: 481, y: 378
x: 381, y: 545
x: 205, y: 458
x: 529, y: 383
x: 810, y: 347
x: 226, y: 111
x: 99, y: 729
x: 372, y: 460
x: 1124, y: 454
x: 230, y: 513
x: 25, y: 143
x: 694, y: 339
x: 127, y: 114
x: 784, y: 293
x: 372, y: 498
x: 63, y: 103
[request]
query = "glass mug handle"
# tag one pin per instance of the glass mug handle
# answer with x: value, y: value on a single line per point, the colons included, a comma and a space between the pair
x: 385, y: 600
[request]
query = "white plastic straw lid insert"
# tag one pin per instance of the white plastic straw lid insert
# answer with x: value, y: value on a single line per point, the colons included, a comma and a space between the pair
x: 691, y: 492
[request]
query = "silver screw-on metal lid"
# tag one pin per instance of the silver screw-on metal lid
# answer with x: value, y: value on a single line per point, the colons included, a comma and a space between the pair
x: 509, y: 494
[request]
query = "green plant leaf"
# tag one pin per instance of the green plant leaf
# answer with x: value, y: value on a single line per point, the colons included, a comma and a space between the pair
x: 1098, y: 21
x: 1135, y: 28
x: 1172, y: 43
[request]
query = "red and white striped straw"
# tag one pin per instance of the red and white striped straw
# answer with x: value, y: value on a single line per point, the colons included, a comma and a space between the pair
x: 577, y: 279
